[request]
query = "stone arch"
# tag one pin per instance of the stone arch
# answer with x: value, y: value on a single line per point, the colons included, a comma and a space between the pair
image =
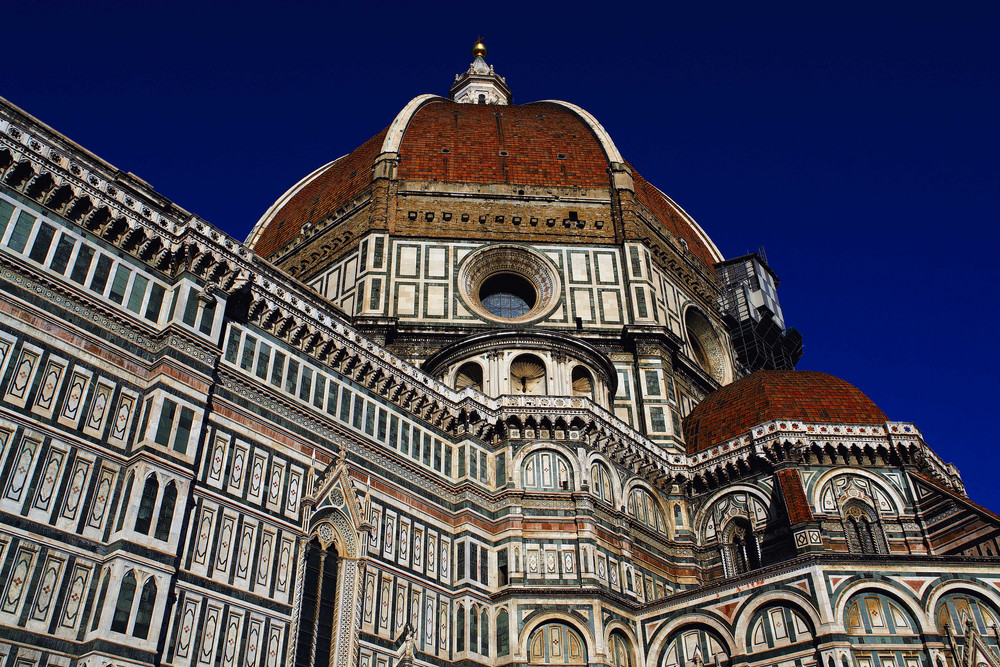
x: 555, y: 617
x: 700, y: 520
x: 596, y: 459
x: 788, y: 598
x: 707, y: 344
x: 632, y: 646
x: 616, y: 625
x: 974, y: 588
x: 470, y: 373
x: 547, y: 470
x: 643, y: 487
x: 660, y: 640
x: 572, y: 460
x: 821, y: 481
x: 898, y: 594
x: 333, y: 527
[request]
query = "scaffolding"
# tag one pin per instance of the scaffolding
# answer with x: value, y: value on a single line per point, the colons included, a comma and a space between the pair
x: 749, y: 304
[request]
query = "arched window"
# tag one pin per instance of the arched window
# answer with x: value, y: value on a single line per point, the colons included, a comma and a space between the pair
x: 645, y: 509
x: 694, y: 646
x: 123, y: 610
x: 958, y: 610
x: 460, y: 629
x: 166, y: 518
x: 146, y: 504
x: 741, y: 551
x: 778, y: 626
x: 484, y: 634
x: 621, y: 654
x: 503, y: 633
x: 546, y: 471
x: 470, y: 374
x: 583, y: 382
x: 99, y: 607
x: 318, y: 598
x: 527, y: 376
x: 144, y: 613
x: 474, y: 629
x: 873, y: 613
x: 556, y: 644
x: 126, y: 500
x: 600, y: 482
x: 864, y: 532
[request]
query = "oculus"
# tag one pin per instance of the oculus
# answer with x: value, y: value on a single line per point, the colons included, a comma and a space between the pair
x: 508, y: 283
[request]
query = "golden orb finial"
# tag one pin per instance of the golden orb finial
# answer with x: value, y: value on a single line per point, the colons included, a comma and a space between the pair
x: 479, y: 49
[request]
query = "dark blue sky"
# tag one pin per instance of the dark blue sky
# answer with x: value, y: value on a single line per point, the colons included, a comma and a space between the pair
x: 856, y: 141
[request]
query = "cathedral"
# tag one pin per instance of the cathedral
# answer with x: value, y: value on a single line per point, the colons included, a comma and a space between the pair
x: 476, y: 393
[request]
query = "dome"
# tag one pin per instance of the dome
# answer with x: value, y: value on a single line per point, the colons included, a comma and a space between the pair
x: 806, y: 396
x: 489, y: 149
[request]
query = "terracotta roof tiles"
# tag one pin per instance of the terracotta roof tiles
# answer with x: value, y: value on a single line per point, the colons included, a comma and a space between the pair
x: 806, y: 396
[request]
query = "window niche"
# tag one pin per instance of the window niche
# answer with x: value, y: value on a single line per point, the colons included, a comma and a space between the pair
x: 863, y: 529
x: 740, y: 547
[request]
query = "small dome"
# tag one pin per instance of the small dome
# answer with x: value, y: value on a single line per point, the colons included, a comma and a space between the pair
x: 805, y: 396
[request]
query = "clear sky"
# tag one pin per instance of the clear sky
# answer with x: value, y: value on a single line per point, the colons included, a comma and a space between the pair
x: 856, y: 141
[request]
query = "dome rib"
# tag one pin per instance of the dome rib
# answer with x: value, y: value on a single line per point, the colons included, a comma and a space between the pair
x: 341, y: 181
x: 610, y: 150
x: 397, y: 128
x: 537, y: 144
x: 547, y: 144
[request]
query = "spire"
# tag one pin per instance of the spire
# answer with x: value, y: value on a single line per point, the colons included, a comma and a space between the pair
x: 480, y: 84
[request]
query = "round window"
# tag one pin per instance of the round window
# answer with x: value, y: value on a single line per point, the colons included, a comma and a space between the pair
x: 507, y: 295
x: 508, y: 283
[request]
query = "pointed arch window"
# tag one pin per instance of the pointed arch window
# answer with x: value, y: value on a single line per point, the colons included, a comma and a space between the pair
x: 99, y: 607
x: 460, y: 629
x: 144, y: 614
x: 123, y: 610
x: 474, y: 629
x: 503, y: 633
x: 318, y: 599
x: 741, y: 550
x: 484, y: 634
x: 145, y: 515
x: 166, y: 517
x: 126, y: 500
x: 863, y: 529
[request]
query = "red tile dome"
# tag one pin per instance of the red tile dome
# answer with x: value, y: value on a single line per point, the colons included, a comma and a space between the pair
x: 542, y: 144
x: 806, y: 396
